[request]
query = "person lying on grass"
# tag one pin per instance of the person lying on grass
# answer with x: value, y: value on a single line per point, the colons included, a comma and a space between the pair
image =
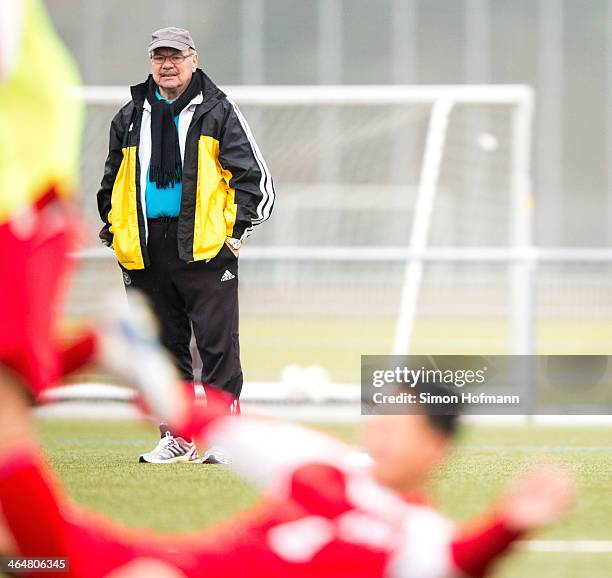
x: 320, y: 514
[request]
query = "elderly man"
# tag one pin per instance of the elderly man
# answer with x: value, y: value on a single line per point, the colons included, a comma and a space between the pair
x: 184, y: 184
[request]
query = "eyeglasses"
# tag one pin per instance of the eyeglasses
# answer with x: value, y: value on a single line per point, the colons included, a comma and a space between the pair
x: 159, y: 59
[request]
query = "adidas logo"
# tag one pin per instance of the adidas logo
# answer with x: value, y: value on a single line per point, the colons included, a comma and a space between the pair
x: 227, y: 276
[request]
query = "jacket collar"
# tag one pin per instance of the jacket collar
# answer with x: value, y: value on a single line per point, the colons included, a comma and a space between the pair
x: 198, y: 99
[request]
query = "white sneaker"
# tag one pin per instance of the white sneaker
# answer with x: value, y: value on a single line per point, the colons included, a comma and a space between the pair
x: 171, y: 450
x: 216, y: 456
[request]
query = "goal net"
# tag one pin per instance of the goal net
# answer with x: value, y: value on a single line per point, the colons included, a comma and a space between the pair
x: 397, y: 212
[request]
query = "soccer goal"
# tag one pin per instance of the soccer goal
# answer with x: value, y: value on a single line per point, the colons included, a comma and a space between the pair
x: 401, y: 215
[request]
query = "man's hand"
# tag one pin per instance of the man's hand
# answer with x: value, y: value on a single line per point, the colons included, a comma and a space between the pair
x: 106, y: 237
x: 228, y: 242
x: 538, y: 498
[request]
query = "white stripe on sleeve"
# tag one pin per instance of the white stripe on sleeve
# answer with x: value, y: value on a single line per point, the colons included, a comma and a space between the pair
x: 264, y: 208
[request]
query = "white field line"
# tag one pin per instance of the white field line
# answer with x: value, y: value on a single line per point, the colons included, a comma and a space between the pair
x: 323, y: 402
x: 568, y: 546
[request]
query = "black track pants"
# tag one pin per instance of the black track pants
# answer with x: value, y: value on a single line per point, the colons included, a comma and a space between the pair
x: 199, y: 294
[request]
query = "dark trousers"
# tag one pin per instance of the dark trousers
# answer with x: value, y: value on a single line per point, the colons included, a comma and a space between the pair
x: 202, y: 294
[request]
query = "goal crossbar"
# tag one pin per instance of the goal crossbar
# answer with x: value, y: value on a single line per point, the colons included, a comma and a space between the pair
x: 370, y: 95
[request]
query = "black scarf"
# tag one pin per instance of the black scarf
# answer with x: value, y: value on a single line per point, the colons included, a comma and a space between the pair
x: 166, y: 167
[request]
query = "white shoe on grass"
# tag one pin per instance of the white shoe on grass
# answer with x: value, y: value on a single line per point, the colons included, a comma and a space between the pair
x: 171, y: 450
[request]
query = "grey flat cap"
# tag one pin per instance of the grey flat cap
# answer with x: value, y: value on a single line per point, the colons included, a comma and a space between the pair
x: 171, y: 37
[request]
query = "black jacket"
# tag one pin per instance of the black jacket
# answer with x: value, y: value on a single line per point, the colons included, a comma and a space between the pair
x: 227, y: 188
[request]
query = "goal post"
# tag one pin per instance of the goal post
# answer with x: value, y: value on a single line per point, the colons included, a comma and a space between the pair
x: 426, y: 192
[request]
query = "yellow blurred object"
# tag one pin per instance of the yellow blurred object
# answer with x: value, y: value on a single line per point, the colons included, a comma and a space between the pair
x: 40, y: 117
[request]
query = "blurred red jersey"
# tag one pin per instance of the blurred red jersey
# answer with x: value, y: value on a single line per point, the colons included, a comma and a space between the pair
x: 319, y: 518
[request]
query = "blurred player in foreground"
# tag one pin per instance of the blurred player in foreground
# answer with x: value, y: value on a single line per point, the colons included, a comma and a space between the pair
x: 39, y: 159
x: 321, y: 515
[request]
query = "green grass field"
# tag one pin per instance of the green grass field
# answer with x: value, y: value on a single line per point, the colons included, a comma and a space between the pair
x: 97, y: 462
